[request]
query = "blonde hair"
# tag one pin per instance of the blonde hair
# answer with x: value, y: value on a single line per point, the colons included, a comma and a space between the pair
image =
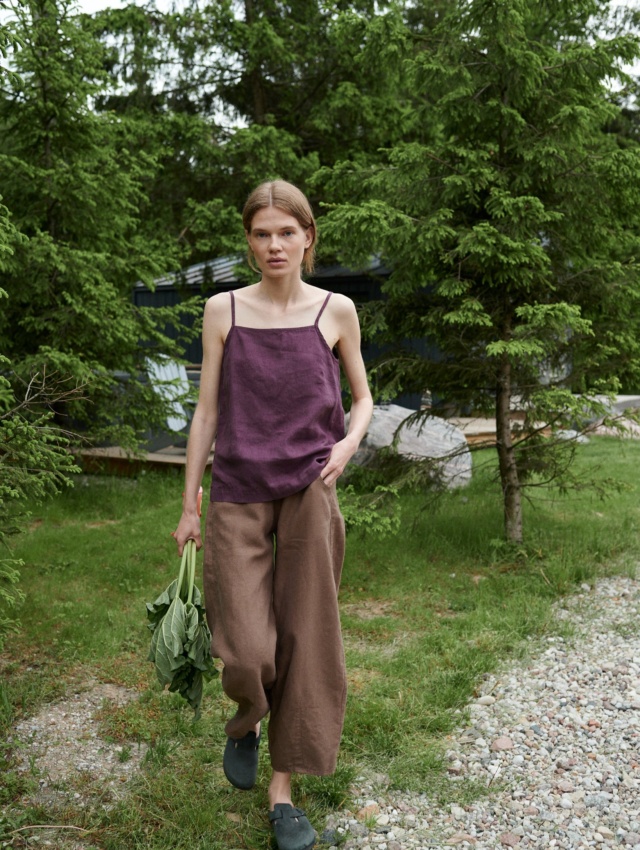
x: 288, y: 198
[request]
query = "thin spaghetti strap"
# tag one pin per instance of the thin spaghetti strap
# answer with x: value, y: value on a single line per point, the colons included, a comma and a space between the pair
x: 324, y: 304
x: 233, y: 309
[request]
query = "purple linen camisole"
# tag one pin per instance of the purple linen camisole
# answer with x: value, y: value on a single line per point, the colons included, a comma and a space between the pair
x: 280, y: 411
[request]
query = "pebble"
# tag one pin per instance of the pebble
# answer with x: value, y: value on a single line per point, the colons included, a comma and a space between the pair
x: 502, y: 743
x: 369, y: 809
x: 556, y: 741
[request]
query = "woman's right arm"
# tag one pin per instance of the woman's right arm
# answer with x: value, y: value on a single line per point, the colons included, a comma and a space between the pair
x: 204, y: 424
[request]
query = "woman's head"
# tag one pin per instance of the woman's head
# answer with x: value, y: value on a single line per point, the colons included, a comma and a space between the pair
x: 288, y: 198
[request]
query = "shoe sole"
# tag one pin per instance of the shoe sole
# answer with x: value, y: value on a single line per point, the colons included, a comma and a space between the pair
x: 242, y: 787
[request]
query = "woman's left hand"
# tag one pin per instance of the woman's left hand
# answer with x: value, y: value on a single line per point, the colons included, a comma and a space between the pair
x: 341, y: 454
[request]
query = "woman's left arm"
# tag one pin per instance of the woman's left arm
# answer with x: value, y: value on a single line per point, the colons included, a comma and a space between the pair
x: 348, y: 345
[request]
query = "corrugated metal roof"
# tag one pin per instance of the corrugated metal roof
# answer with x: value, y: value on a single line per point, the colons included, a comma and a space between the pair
x: 222, y: 271
x: 375, y: 267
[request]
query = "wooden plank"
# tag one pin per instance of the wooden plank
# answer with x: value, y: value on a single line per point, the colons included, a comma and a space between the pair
x: 115, y: 459
x: 482, y: 432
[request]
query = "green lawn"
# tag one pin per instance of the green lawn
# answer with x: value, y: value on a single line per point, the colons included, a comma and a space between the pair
x: 425, y: 613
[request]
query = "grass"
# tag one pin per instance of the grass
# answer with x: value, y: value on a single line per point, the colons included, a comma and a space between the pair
x: 426, y: 614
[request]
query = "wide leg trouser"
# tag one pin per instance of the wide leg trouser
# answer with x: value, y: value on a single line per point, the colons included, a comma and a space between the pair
x: 271, y: 577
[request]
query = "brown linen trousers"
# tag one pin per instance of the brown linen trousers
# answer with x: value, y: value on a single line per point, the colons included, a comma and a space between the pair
x: 271, y: 577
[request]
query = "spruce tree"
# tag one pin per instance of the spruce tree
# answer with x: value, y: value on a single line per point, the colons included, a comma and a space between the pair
x: 509, y: 220
x: 34, y: 461
x: 74, y: 182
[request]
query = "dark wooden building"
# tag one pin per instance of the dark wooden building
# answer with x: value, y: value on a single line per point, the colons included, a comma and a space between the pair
x: 221, y: 275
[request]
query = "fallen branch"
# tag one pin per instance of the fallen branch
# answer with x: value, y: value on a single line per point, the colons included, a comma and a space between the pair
x: 50, y: 826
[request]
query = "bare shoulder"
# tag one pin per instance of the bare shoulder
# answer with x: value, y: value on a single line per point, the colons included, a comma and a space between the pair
x: 218, y: 308
x: 342, y: 308
x: 339, y: 304
x: 217, y: 316
x: 343, y: 317
x: 218, y: 304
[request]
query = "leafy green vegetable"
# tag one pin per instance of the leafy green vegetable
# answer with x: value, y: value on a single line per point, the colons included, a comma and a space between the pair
x: 180, y: 644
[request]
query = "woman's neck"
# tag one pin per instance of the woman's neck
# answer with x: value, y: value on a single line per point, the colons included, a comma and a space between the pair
x: 281, y: 292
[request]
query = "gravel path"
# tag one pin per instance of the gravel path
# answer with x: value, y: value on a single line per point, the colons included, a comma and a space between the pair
x: 61, y: 744
x: 558, y: 738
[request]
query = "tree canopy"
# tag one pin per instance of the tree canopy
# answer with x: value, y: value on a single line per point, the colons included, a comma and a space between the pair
x: 486, y: 150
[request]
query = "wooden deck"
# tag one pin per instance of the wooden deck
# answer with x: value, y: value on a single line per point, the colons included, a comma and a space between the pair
x: 482, y: 432
x: 478, y: 432
x: 115, y: 459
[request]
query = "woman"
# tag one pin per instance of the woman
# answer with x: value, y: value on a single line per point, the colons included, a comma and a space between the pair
x: 274, y: 543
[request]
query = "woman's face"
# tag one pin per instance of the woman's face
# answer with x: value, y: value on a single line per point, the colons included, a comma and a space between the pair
x: 278, y: 241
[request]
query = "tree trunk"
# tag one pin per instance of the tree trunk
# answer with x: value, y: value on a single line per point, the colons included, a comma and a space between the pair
x: 255, y: 74
x: 41, y: 15
x: 511, y: 495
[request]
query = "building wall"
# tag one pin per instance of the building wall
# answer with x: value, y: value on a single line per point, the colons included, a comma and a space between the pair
x: 359, y: 287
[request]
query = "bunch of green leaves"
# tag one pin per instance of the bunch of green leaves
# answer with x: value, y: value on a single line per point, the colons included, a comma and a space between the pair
x: 373, y: 513
x: 180, y: 646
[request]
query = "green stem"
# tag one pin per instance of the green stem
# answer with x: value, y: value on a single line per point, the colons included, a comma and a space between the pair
x: 183, y: 565
x: 192, y: 568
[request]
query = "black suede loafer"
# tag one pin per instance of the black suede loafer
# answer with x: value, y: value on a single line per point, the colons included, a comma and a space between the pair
x: 240, y: 761
x: 292, y: 828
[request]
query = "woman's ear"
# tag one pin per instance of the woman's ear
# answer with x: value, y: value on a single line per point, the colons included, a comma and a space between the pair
x: 310, y: 236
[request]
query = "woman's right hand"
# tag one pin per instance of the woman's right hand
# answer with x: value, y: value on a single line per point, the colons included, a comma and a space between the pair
x: 188, y: 529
